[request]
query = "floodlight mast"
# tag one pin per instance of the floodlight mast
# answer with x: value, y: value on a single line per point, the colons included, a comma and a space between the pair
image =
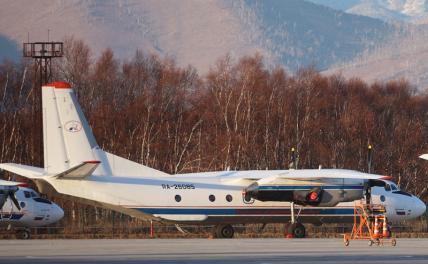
x: 42, y: 54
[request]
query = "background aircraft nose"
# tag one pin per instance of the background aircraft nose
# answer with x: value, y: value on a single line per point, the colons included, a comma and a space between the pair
x: 420, y: 207
x: 57, y: 213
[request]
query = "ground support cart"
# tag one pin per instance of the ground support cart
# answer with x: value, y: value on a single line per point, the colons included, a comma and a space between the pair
x: 370, y: 223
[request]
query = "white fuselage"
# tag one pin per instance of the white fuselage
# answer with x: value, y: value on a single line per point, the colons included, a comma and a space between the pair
x: 216, y: 197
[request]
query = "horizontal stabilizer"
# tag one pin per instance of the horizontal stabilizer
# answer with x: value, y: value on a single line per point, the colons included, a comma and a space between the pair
x: 424, y: 156
x: 4, y: 183
x: 80, y: 171
x: 29, y: 172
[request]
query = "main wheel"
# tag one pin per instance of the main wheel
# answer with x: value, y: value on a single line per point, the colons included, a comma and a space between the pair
x: 23, y: 234
x: 297, y: 230
x: 224, y: 231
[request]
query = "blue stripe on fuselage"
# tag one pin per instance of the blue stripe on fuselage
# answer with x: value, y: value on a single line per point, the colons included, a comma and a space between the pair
x: 12, y: 216
x: 245, y: 211
x: 309, y: 187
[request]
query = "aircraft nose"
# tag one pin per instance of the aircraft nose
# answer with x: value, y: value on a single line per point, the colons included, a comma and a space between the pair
x: 420, y: 207
x: 57, y: 213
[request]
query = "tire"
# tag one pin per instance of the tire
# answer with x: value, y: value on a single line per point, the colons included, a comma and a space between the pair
x: 393, y: 242
x: 224, y: 231
x: 346, y: 242
x: 370, y: 242
x: 297, y: 230
x: 23, y: 234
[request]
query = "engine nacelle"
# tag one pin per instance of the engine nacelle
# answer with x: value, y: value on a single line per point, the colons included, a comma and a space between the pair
x: 316, y: 196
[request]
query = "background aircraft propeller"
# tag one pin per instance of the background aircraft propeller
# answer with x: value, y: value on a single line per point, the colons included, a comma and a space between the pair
x: 8, y: 191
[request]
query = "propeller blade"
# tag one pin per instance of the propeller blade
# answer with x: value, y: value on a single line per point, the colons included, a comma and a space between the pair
x: 3, y: 198
x: 14, y: 200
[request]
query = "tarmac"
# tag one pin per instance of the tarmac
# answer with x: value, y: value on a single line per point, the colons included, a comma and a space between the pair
x: 222, y: 251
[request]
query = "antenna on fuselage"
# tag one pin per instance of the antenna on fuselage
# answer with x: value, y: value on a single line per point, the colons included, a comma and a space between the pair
x: 367, y: 187
x: 369, y: 158
x: 293, y: 163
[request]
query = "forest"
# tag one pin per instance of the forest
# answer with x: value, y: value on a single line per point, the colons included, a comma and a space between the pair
x: 240, y: 115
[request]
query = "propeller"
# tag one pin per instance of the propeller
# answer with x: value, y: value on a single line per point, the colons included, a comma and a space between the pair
x: 9, y: 191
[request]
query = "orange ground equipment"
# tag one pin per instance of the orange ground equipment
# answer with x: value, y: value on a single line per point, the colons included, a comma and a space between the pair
x: 369, y: 220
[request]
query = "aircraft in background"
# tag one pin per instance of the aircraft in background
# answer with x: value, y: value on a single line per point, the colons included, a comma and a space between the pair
x: 22, y: 208
x: 76, y: 166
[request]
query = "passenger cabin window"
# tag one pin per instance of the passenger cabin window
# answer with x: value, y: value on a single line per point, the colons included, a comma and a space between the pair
x: 387, y: 188
x: 211, y: 198
x: 27, y: 194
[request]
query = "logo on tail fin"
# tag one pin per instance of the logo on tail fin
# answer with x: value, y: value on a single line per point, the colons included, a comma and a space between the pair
x: 73, y: 126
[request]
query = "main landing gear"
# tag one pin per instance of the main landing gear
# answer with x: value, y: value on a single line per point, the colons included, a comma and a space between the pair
x: 23, y: 234
x: 295, y: 229
x: 223, y: 231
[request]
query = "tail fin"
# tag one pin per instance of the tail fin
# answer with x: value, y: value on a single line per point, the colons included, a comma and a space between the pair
x: 68, y: 139
x: 69, y: 142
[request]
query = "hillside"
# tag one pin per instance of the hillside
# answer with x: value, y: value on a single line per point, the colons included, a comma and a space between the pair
x: 293, y: 33
x: 406, y: 57
x: 414, y: 11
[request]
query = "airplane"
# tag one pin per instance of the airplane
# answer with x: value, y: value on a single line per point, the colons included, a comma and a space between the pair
x: 22, y: 208
x: 76, y: 167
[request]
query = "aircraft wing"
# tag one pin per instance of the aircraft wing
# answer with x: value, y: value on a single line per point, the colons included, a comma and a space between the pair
x: 424, y: 156
x: 304, y: 175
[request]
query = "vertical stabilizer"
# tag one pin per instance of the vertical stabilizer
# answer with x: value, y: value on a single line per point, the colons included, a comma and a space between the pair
x: 69, y: 142
x: 68, y: 139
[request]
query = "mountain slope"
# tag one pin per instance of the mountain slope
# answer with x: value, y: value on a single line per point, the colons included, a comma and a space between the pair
x: 406, y: 57
x: 300, y: 33
x: 209, y: 31
x: 293, y: 33
x: 415, y: 11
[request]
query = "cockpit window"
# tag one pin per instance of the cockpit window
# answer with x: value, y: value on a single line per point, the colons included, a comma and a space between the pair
x: 27, y: 194
x: 41, y: 200
x: 394, y: 187
x: 33, y: 194
x: 387, y: 187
